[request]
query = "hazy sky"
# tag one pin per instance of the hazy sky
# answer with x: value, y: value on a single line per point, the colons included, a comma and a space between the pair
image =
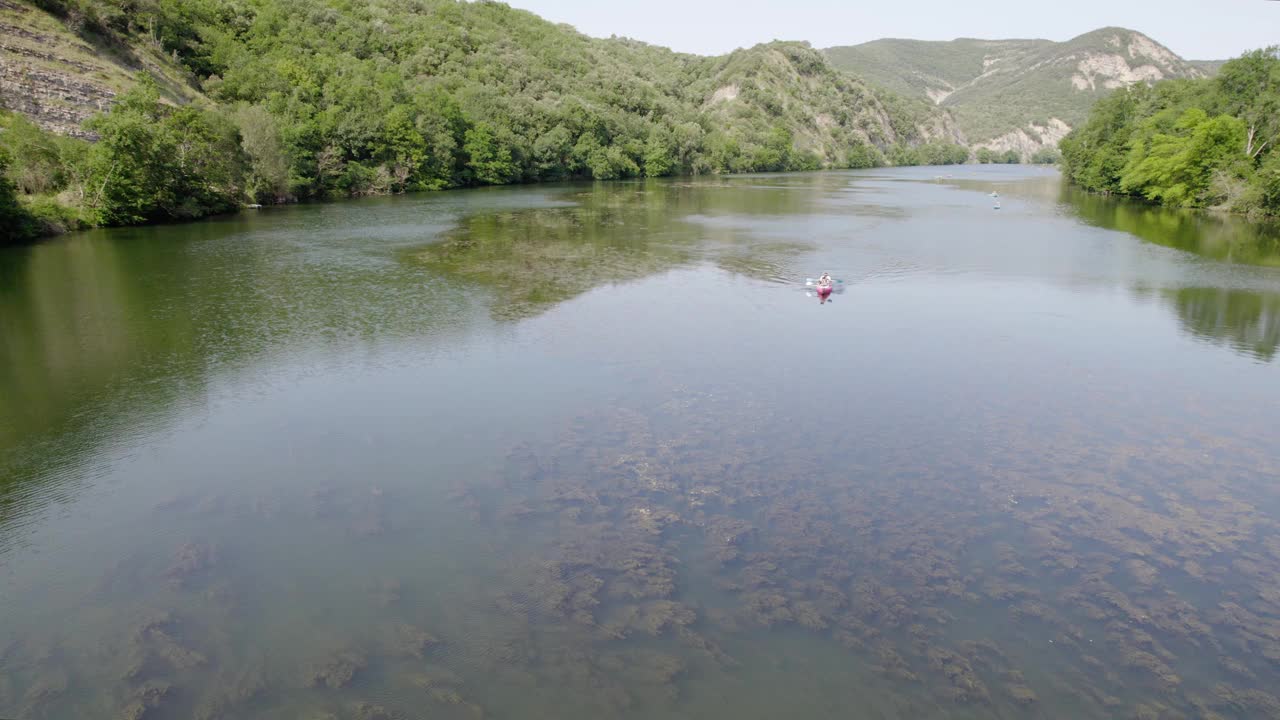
x: 1195, y: 29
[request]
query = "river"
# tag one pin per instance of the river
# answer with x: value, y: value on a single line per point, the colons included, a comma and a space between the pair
x: 593, y: 450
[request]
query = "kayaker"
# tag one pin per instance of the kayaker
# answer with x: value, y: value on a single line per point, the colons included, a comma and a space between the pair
x: 825, y: 286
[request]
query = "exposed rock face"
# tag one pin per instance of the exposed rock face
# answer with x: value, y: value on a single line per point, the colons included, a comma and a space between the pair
x: 41, y: 83
x: 59, y: 80
x: 1021, y: 95
x: 728, y: 92
x: 943, y: 127
x: 55, y: 101
x: 1027, y: 141
x: 1137, y: 59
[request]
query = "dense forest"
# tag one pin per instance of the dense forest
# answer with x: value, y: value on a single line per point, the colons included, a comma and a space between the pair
x: 1189, y: 143
x: 313, y: 99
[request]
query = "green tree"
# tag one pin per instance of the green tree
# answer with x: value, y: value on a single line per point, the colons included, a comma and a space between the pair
x: 38, y: 159
x: 1094, y: 155
x: 1045, y: 156
x: 1265, y: 187
x: 1250, y: 90
x: 208, y: 170
x: 657, y: 155
x: 489, y: 160
x: 156, y: 163
x: 903, y: 155
x: 268, y: 179
x: 15, y: 222
x: 132, y: 162
x: 1177, y: 168
x: 860, y: 155
x: 553, y: 154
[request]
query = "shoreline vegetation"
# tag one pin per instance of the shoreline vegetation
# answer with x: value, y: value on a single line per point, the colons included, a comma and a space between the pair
x: 317, y: 100
x: 1206, y: 144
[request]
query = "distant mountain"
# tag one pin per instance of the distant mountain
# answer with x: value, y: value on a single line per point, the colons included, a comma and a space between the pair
x: 1015, y: 94
x: 1208, y: 67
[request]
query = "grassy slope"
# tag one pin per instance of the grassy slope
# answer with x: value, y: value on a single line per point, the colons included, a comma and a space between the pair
x: 1208, y: 67
x: 520, y: 65
x: 825, y: 109
x: 58, y: 77
x: 997, y: 86
x: 916, y: 67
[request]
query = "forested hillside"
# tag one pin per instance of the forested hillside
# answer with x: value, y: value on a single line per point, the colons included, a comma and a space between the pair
x: 1188, y: 143
x: 1020, y: 95
x: 309, y: 99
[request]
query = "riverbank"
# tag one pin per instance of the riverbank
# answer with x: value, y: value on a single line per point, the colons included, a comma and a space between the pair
x: 1206, y: 144
x: 401, y: 455
x: 47, y: 216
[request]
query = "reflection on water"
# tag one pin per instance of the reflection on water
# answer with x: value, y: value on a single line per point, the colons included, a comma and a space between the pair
x: 1245, y: 319
x: 1220, y: 237
x: 589, y: 451
x: 1242, y: 316
x: 1248, y: 321
x: 534, y: 259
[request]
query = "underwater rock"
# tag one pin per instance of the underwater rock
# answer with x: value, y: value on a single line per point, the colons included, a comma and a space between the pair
x: 1235, y: 667
x: 1154, y: 711
x: 414, y: 641
x: 191, y: 560
x: 570, y: 593
x: 878, y: 557
x: 1142, y: 573
x: 645, y: 574
x: 435, y: 676
x: 372, y: 711
x: 767, y: 607
x: 655, y: 670
x: 231, y: 692
x: 1021, y: 694
x: 445, y: 696
x: 652, y: 618
x: 892, y: 665
x: 124, y: 574
x: 144, y: 700
x: 1139, y: 659
x: 337, y: 670
x: 1248, y: 703
x: 807, y: 615
x: 694, y: 640
x: 652, y: 520
x: 46, y: 689
x: 156, y: 644
x: 965, y: 684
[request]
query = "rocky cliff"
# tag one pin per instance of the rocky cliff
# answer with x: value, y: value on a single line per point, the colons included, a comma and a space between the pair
x: 59, y: 77
x: 1014, y: 94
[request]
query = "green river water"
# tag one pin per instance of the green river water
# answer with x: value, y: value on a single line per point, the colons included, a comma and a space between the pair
x: 592, y: 451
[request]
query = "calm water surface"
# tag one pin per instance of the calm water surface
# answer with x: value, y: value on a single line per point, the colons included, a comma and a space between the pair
x: 591, y: 451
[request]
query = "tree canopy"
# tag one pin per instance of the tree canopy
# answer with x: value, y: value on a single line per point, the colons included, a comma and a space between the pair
x: 1188, y: 143
x: 313, y: 99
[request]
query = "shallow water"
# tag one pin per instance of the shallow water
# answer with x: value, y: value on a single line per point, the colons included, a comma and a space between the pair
x: 592, y: 451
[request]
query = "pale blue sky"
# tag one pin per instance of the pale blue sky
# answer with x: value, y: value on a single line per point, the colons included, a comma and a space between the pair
x: 1195, y: 29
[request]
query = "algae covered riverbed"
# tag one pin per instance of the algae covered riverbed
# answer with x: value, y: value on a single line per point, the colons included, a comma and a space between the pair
x: 591, y: 451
